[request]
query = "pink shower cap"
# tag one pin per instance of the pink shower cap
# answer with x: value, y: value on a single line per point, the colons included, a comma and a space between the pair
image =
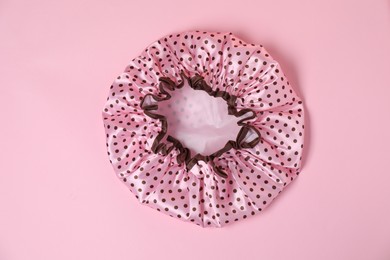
x: 165, y: 153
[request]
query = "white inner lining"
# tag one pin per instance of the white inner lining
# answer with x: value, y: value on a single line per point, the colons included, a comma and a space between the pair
x: 199, y: 121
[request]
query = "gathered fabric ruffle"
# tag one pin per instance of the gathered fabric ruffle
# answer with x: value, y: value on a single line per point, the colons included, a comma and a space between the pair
x: 238, y: 180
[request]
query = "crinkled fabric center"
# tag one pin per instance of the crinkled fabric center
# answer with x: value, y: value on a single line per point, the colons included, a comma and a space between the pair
x: 200, y: 122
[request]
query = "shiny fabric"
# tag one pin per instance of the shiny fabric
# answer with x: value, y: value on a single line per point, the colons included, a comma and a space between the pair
x: 198, y: 194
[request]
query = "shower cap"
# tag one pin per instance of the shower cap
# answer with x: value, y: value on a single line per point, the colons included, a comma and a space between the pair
x: 210, y: 189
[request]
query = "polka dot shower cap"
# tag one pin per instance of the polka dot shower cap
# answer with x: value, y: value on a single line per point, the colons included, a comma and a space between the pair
x: 204, y: 127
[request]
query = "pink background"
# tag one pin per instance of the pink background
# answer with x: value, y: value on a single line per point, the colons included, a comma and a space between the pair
x: 59, y: 197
